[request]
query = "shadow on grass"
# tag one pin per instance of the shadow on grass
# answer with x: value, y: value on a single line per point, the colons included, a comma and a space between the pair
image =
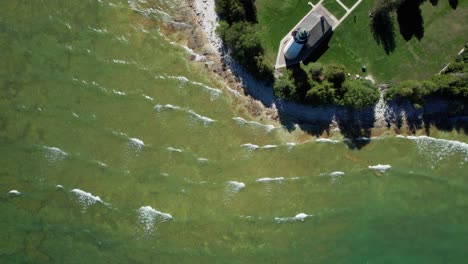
x: 453, y: 4
x: 383, y: 29
x: 410, y: 19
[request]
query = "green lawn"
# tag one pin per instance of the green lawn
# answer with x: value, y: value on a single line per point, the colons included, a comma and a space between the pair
x: 444, y: 35
x: 348, y: 3
x: 336, y: 9
x: 276, y: 18
x: 445, y: 32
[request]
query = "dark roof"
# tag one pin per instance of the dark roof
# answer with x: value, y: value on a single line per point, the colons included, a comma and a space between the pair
x: 316, y: 26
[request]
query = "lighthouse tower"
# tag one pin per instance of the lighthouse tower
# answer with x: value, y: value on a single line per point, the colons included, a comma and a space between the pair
x: 295, y: 44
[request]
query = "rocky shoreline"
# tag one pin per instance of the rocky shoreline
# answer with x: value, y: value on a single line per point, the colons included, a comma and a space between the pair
x: 324, y: 121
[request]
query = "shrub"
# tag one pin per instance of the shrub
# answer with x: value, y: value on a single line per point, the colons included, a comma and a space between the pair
x: 455, y: 67
x: 236, y: 10
x: 336, y: 75
x: 315, y: 71
x: 360, y: 94
x: 321, y: 93
x: 284, y: 87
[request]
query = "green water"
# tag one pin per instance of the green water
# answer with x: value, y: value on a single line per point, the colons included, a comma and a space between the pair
x: 85, y: 88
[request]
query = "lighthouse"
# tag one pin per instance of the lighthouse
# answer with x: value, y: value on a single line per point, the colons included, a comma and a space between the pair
x: 295, y: 44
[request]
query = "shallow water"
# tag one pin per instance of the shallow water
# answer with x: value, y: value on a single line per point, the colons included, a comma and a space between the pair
x: 118, y: 149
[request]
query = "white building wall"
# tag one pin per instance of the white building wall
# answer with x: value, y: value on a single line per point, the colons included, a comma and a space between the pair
x: 292, y: 49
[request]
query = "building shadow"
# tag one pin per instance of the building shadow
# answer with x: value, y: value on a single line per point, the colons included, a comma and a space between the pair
x: 320, y: 49
x: 410, y: 20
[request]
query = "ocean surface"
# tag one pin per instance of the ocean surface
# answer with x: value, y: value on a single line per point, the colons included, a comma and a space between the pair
x: 117, y: 147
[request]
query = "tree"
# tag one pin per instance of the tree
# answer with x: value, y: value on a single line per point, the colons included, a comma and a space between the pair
x: 315, y: 71
x: 284, y: 87
x: 360, y: 94
x: 335, y: 74
x: 321, y: 93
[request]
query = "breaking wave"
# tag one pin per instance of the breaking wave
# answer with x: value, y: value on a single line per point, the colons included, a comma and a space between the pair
x: 438, y: 149
x: 215, y: 93
x: 54, y: 154
x: 267, y: 128
x: 149, y: 216
x: 203, y: 119
x: 86, y: 198
x: 299, y: 217
x: 235, y: 186
x: 381, y: 168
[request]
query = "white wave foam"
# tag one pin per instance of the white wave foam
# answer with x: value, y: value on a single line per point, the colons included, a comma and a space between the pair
x: 99, y: 30
x: 381, y: 168
x: 235, y: 186
x: 250, y: 146
x: 119, y: 92
x: 202, y: 160
x: 267, y: 180
x: 234, y: 92
x: 122, y: 39
x: 148, y: 12
x: 335, y: 176
x: 137, y: 142
x: 439, y: 149
x: 299, y: 217
x: 326, y: 140
x: 149, y: 216
x: 102, y: 164
x: 55, y: 154
x: 206, y: 120
x: 215, y: 93
x: 242, y: 121
x: 171, y: 149
x: 196, y: 56
x: 167, y: 106
x: 14, y: 192
x: 117, y: 133
x: 58, y: 186
x: 269, y: 146
x: 148, y: 97
x: 86, y: 198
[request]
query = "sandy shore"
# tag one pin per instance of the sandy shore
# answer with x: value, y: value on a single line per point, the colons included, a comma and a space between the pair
x: 262, y: 104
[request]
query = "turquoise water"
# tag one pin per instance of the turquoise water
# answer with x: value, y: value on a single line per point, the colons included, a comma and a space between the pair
x: 123, y: 150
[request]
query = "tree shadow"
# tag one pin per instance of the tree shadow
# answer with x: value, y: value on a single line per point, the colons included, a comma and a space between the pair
x: 453, y: 4
x: 356, y: 126
x: 410, y: 20
x: 383, y: 29
x: 434, y: 2
x: 436, y: 113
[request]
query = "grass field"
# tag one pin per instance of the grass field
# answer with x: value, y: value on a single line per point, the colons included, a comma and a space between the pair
x: 336, y: 9
x: 276, y: 18
x: 353, y: 45
x: 348, y: 3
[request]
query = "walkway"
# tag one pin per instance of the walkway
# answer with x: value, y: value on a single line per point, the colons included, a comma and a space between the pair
x: 318, y: 8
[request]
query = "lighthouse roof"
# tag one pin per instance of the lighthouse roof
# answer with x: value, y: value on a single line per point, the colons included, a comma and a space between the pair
x: 316, y: 26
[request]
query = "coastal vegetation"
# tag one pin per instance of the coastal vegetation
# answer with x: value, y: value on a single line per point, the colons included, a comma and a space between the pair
x: 452, y: 83
x: 238, y: 31
x: 353, y: 44
x: 252, y: 30
x: 326, y: 84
